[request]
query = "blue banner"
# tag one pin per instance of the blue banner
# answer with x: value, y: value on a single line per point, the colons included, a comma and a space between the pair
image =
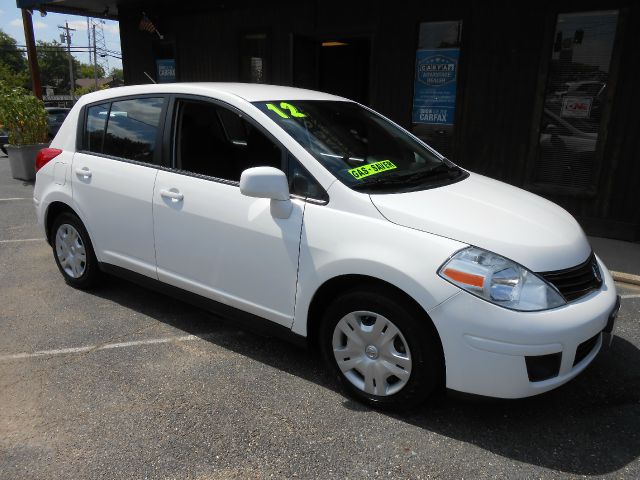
x: 434, y: 94
x: 166, y: 69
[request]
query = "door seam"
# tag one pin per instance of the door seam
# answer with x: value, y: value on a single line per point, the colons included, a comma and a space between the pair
x: 153, y: 222
x: 295, y: 296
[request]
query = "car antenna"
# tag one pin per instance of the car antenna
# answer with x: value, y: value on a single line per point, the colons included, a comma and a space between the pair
x: 149, y: 77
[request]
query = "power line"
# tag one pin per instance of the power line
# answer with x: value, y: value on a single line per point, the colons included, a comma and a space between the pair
x: 53, y: 48
x: 60, y: 46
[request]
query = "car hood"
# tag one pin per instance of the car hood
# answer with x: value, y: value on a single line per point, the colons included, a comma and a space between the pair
x: 495, y: 216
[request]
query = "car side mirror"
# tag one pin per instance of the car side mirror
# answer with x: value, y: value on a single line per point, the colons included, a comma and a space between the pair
x: 268, y: 182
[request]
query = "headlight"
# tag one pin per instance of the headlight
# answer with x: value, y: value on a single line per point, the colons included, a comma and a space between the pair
x: 499, y: 281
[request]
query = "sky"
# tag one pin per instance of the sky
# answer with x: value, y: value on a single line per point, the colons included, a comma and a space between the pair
x: 46, y: 28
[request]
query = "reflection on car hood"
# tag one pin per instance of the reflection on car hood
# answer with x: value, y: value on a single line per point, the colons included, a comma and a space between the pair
x: 495, y: 216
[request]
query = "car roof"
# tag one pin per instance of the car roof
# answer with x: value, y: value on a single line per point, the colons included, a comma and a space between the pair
x: 251, y: 92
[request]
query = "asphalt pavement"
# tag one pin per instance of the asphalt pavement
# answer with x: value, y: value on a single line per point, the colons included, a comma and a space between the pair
x: 126, y: 383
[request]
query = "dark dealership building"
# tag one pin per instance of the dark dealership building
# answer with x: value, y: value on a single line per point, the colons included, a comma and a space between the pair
x: 541, y: 94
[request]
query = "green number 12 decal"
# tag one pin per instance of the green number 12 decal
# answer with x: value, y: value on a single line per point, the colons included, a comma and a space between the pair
x: 293, y: 111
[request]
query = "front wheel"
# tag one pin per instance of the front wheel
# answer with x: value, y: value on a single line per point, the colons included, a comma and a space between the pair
x: 73, y: 252
x: 384, y: 351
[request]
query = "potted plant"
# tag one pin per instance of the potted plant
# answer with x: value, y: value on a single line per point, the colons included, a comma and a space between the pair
x: 25, y: 119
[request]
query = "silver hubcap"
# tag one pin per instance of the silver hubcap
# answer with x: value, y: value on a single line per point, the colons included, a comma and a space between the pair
x: 70, y: 251
x: 372, y: 353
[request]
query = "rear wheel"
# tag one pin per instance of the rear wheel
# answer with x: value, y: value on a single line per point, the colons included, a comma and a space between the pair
x: 384, y: 352
x: 73, y: 252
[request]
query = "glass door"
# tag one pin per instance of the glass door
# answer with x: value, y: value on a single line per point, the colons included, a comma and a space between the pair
x: 574, y: 100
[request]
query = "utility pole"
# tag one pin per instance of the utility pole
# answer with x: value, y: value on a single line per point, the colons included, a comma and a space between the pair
x: 67, y: 36
x: 31, y: 53
x: 95, y: 57
x: 89, y: 38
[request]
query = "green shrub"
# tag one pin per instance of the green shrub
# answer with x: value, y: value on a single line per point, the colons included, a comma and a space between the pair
x: 22, y: 115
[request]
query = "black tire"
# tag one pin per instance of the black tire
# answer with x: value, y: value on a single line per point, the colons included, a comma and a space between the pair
x: 91, y: 274
x: 427, y: 363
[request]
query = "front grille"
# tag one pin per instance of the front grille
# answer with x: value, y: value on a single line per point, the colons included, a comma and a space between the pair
x: 585, y: 348
x: 576, y: 282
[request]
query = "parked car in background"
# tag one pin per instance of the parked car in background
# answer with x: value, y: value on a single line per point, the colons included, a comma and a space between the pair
x: 55, y: 117
x: 567, y: 133
x: 320, y: 217
x: 589, y: 88
x: 4, y: 139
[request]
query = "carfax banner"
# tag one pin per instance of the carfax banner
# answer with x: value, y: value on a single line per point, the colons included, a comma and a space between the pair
x: 434, y: 95
x: 166, y: 70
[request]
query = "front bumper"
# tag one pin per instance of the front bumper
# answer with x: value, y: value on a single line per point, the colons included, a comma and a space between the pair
x: 487, y: 347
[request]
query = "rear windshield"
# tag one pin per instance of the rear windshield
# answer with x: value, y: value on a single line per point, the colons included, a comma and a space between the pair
x: 362, y: 149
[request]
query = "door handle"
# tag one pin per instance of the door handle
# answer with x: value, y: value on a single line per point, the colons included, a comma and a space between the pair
x: 83, y: 172
x: 177, y: 196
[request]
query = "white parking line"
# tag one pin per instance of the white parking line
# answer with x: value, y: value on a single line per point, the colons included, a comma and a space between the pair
x: 634, y: 295
x: 106, y: 346
x: 23, y: 240
x: 14, y: 199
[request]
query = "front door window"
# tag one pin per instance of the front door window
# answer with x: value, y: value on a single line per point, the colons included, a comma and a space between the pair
x: 217, y: 142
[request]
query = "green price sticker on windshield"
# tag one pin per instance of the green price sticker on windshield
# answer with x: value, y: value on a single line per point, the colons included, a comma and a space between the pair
x: 371, y: 169
x: 291, y: 111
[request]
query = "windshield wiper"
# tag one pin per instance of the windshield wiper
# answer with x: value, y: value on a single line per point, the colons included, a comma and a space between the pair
x: 389, y: 180
x: 443, y: 168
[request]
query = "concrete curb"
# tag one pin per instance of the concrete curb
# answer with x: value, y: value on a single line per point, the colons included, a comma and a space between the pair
x: 625, y: 277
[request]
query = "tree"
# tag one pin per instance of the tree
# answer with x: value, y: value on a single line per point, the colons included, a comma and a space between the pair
x: 10, y: 54
x: 54, y: 65
x: 117, y: 74
x: 12, y: 79
x: 85, y: 70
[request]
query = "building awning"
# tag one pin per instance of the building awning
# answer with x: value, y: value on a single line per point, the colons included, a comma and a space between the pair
x: 87, y: 8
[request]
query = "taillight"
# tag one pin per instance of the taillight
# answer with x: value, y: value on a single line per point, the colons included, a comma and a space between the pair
x: 45, y: 156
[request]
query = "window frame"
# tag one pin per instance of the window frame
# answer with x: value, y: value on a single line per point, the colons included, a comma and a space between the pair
x: 159, y: 159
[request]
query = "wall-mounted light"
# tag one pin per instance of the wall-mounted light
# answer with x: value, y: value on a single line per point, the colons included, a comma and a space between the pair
x: 334, y: 44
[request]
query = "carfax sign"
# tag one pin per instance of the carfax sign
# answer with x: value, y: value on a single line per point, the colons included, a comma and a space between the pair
x: 434, y: 94
x: 166, y: 69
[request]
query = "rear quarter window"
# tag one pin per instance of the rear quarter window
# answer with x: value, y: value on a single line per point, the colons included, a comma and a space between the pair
x: 94, y: 130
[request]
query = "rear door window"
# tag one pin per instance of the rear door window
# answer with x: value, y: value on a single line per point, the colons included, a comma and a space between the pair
x: 132, y: 129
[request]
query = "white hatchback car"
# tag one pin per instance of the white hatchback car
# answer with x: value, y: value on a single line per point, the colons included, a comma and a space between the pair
x: 317, y: 216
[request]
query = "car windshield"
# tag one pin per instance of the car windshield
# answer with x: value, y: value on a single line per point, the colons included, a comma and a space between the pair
x: 362, y: 149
